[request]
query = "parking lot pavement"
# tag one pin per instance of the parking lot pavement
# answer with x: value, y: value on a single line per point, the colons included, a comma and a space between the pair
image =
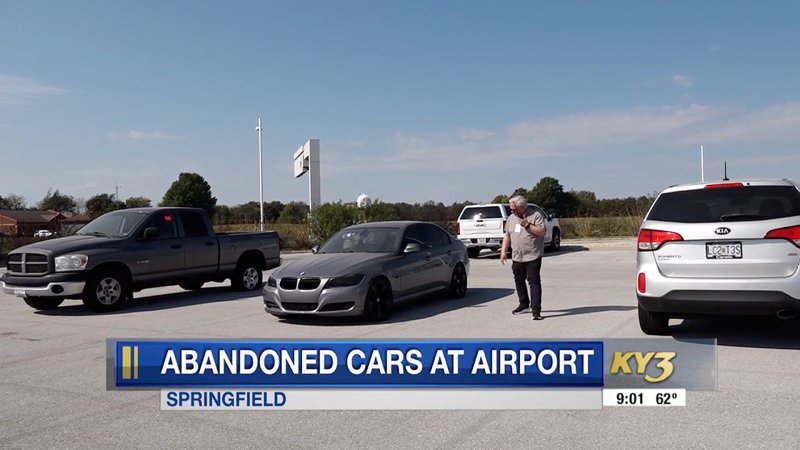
x: 52, y: 370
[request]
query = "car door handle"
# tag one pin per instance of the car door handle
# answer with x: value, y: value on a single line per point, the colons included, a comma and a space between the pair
x: 176, y: 246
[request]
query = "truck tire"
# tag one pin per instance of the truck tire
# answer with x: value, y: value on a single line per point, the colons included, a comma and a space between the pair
x: 107, y: 290
x: 473, y: 252
x: 555, y: 243
x: 43, y: 303
x: 247, y: 276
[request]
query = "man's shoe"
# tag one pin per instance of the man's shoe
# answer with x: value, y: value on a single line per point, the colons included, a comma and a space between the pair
x: 537, y: 317
x: 520, y: 309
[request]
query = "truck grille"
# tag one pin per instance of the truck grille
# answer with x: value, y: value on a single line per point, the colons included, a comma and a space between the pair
x: 27, y: 263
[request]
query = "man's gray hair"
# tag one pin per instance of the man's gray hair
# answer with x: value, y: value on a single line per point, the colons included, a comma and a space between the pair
x: 520, y: 201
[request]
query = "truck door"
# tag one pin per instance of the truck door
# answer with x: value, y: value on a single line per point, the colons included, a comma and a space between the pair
x: 161, y: 259
x: 202, y: 249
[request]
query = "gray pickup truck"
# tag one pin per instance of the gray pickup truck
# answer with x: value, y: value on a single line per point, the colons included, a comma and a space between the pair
x: 128, y: 250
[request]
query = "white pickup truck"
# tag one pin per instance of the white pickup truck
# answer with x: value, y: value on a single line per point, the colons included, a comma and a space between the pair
x: 481, y: 226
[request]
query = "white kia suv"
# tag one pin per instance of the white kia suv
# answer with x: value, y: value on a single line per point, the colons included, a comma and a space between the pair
x: 727, y: 248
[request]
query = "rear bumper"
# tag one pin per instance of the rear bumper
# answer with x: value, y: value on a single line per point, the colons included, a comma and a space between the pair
x: 715, y: 296
x: 734, y: 303
x: 492, y: 242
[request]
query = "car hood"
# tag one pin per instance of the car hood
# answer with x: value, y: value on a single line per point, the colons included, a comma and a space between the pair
x: 68, y: 244
x: 325, y: 265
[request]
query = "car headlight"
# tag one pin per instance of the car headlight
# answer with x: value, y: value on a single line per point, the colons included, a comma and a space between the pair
x: 271, y: 282
x: 349, y: 280
x: 71, y: 262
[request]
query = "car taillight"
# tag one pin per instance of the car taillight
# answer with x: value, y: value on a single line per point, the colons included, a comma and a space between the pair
x: 641, y: 283
x: 788, y: 233
x: 650, y: 240
x: 458, y: 228
x: 723, y: 185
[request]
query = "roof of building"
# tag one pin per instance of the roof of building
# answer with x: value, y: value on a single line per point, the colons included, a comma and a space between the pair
x: 25, y: 216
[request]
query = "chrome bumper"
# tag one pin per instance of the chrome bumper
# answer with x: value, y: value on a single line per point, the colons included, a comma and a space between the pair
x: 67, y: 289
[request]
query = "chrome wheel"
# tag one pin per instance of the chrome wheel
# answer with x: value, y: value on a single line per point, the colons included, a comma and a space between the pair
x: 109, y: 291
x: 250, y: 278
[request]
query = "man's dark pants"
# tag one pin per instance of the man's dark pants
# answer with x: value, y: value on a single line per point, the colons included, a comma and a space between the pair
x: 529, y: 271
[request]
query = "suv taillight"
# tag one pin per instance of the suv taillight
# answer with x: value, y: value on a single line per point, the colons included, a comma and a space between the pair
x: 650, y: 240
x: 789, y: 233
x: 458, y: 228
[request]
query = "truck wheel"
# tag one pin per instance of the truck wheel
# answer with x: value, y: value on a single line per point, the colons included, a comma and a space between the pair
x: 191, y: 285
x: 473, y: 252
x: 378, y: 302
x: 43, y: 303
x: 247, y: 276
x: 555, y: 244
x: 653, y: 323
x: 106, y: 290
x: 458, y: 282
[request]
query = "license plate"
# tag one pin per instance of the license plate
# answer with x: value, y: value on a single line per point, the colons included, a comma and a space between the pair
x: 20, y: 293
x: 723, y: 250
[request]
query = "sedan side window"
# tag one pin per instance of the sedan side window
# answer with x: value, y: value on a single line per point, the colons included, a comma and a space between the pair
x: 415, y: 234
x: 432, y: 236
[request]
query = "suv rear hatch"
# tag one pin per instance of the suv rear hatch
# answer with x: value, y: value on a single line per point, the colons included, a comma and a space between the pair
x: 726, y: 230
x: 481, y: 221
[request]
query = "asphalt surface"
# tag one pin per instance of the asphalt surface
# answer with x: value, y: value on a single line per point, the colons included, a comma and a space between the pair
x: 53, y: 387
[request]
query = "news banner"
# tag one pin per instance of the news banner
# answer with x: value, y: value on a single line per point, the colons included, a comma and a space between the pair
x: 413, y: 375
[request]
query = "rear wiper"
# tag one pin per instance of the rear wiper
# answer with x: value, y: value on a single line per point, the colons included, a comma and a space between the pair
x: 96, y: 233
x: 740, y: 217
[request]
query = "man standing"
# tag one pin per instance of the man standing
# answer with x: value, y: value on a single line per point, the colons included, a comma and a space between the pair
x: 525, y: 233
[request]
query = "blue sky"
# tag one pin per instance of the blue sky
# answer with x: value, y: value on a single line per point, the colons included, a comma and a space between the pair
x: 411, y: 100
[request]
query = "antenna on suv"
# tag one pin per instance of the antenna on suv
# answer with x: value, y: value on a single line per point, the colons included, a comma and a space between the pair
x: 726, y: 172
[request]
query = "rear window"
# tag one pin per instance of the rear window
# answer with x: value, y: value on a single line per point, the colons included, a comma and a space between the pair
x: 481, y: 212
x: 727, y: 204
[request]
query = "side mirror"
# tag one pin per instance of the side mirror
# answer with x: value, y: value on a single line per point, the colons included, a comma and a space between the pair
x: 314, y: 249
x: 412, y: 247
x: 150, y: 233
x: 551, y: 216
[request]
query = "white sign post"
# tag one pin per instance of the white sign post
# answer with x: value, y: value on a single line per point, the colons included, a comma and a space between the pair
x: 306, y: 159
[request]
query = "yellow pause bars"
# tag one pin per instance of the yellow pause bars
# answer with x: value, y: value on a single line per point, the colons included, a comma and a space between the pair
x: 130, y: 360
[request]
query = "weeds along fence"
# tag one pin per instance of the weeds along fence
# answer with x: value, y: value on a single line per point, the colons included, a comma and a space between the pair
x: 600, y: 227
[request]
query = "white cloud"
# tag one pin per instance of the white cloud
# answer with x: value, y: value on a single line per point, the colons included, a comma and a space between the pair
x: 682, y: 80
x: 18, y: 90
x: 577, y: 134
x: 151, y: 135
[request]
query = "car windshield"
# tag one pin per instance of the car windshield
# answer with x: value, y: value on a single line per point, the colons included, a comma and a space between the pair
x: 363, y: 240
x: 115, y: 224
x: 727, y: 204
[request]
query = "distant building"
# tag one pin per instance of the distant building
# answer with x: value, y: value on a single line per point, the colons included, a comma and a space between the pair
x: 26, y: 223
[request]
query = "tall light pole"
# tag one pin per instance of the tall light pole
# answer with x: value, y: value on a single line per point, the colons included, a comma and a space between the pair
x: 260, y: 178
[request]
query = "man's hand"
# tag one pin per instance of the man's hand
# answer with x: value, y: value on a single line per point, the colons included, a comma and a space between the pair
x: 503, y: 256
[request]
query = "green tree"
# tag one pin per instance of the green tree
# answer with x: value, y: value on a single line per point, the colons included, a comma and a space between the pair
x: 272, y: 211
x: 501, y: 198
x: 294, y: 212
x: 549, y: 194
x: 13, y: 202
x: 379, y: 211
x: 192, y: 190
x: 101, y: 204
x: 57, y: 201
x: 330, y: 218
x: 138, y: 202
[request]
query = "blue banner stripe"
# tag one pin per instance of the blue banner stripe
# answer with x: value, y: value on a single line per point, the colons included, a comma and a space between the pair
x: 362, y: 364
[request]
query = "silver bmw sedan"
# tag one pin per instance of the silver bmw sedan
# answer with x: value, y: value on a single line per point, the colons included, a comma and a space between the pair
x: 363, y: 269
